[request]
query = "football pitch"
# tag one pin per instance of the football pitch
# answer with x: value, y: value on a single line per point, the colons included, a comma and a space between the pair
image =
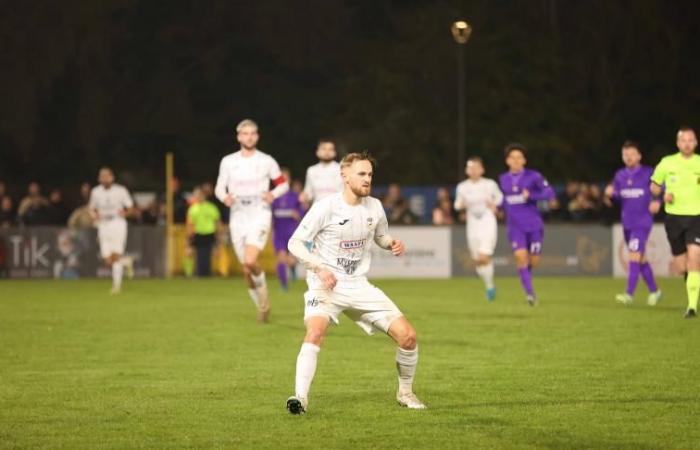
x: 182, y: 364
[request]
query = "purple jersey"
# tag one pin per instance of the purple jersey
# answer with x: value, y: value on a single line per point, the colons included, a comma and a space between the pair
x: 287, y: 211
x: 522, y: 213
x: 631, y: 189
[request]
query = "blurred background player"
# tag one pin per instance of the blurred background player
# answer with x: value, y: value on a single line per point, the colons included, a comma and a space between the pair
x: 203, y: 222
x: 679, y: 175
x: 244, y: 186
x: 480, y: 197
x: 110, y: 204
x: 522, y: 189
x: 323, y: 178
x: 630, y: 187
x: 342, y: 228
x: 287, y: 211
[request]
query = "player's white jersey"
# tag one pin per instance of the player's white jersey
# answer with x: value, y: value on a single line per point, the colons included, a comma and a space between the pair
x: 476, y: 196
x: 342, y: 235
x: 110, y: 202
x: 322, y: 180
x: 247, y: 179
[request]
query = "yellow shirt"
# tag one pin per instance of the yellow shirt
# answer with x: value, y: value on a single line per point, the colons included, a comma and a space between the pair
x: 204, y: 216
x: 681, y: 177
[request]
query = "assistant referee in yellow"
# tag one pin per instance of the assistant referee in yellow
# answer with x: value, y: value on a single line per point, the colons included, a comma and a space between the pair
x: 203, y: 221
x: 679, y: 176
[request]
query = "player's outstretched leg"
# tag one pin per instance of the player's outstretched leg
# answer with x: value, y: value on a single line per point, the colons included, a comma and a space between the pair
x: 627, y: 297
x: 648, y: 276
x: 117, y: 274
x: 484, y: 269
x: 257, y: 285
x: 406, y: 361
x: 316, y: 328
x: 282, y: 270
x: 523, y: 262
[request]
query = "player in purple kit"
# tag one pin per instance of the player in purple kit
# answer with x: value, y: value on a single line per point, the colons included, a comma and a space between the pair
x: 522, y: 189
x: 631, y: 188
x: 287, y: 211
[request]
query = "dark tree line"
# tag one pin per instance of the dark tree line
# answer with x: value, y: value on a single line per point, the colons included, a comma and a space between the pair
x: 121, y: 82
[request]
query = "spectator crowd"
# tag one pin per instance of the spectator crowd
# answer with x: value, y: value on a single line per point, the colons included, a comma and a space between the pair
x: 575, y: 202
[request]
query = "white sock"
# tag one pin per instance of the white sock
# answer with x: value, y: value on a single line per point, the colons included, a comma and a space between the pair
x: 406, y: 361
x: 263, y: 299
x: 486, y: 274
x: 259, y: 279
x: 254, y: 296
x: 117, y: 274
x: 306, y: 369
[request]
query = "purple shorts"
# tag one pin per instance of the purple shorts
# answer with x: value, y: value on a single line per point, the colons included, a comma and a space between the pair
x: 280, y: 239
x: 636, y: 238
x: 526, y: 240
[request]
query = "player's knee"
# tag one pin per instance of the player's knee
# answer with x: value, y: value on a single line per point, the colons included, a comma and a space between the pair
x: 315, y: 336
x: 408, y: 339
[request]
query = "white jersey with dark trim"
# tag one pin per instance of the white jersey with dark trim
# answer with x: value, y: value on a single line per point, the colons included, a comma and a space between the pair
x: 110, y: 202
x: 247, y: 179
x: 323, y: 179
x: 476, y: 196
x: 342, y: 236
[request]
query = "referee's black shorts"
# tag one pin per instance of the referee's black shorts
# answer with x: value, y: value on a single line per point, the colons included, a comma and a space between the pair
x: 681, y: 231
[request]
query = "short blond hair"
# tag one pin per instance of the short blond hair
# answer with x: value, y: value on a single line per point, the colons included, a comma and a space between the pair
x: 350, y: 158
x: 246, y: 123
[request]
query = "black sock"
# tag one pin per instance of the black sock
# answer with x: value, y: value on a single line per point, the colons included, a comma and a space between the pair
x: 685, y: 276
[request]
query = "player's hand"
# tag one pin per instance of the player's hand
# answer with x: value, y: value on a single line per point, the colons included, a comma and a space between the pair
x: 268, y: 197
x: 228, y: 201
x: 492, y: 207
x: 609, y: 190
x: 526, y: 194
x: 327, y: 278
x: 397, y: 247
x: 668, y: 197
x: 654, y: 206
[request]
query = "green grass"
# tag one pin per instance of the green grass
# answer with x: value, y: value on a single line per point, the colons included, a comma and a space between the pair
x: 183, y: 364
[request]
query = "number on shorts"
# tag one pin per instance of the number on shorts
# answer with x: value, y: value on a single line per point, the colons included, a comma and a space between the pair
x: 633, y: 245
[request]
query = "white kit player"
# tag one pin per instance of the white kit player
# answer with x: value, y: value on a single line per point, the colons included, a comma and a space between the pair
x: 342, y: 228
x: 322, y: 179
x: 244, y: 186
x: 109, y: 205
x: 480, y: 197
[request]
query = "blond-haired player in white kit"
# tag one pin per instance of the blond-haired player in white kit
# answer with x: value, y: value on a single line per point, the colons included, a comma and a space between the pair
x: 244, y: 186
x: 109, y: 205
x: 480, y: 197
x: 342, y: 228
x: 322, y: 179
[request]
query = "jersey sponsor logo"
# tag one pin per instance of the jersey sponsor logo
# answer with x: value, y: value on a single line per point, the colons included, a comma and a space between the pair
x: 518, y: 199
x: 352, y: 245
x: 348, y: 265
x: 343, y: 222
x: 632, y: 193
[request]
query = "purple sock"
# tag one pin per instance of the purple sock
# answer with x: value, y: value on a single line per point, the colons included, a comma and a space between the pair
x: 648, y: 276
x: 632, y: 277
x: 526, y: 280
x: 282, y: 274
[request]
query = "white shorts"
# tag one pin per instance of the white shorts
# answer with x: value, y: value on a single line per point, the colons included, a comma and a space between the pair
x: 368, y: 306
x: 482, y: 235
x: 249, y: 228
x: 112, y: 237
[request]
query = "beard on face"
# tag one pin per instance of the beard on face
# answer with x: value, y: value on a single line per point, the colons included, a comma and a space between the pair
x: 360, y: 191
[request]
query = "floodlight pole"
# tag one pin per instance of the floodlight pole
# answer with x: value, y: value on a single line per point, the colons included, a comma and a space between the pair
x: 461, y: 31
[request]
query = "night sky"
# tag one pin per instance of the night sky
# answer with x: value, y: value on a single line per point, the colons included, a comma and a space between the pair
x: 87, y: 83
